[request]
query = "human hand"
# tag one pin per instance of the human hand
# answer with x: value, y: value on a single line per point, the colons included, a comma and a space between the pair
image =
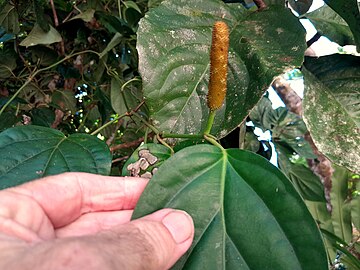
x: 82, y: 221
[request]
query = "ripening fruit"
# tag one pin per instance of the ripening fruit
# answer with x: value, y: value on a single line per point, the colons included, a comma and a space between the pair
x: 218, y: 65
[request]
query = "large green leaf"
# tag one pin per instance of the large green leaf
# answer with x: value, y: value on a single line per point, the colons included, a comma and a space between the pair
x: 30, y: 152
x: 174, y: 42
x: 330, y: 24
x: 349, y: 10
x: 247, y: 214
x: 332, y: 107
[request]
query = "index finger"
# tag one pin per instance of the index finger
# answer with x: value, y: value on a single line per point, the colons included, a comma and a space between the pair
x: 65, y: 197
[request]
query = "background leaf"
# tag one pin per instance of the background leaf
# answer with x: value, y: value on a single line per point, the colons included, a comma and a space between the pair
x: 349, y: 10
x: 9, y: 19
x: 30, y: 152
x: 173, y: 44
x: 330, y: 24
x: 332, y: 107
x: 286, y: 127
x: 38, y: 36
x: 305, y: 181
x: 7, y: 63
x: 158, y: 154
x: 341, y: 208
x: 65, y: 99
x: 300, y: 6
x: 117, y: 38
x: 355, y: 207
x: 242, y: 207
x: 124, y: 100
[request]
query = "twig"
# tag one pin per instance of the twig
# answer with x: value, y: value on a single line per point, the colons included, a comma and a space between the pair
x: 120, y: 159
x: 112, y: 137
x: 32, y: 76
x: 56, y: 20
x: 126, y: 145
x: 56, y: 23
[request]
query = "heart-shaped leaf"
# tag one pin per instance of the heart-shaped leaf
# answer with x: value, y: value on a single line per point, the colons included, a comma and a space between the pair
x: 174, y: 42
x: 332, y: 107
x: 247, y: 214
x: 30, y: 152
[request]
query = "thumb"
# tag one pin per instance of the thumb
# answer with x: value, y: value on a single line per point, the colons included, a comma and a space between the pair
x: 167, y: 234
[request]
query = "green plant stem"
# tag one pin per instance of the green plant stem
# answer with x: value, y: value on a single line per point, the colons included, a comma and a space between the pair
x: 165, y: 144
x: 146, y: 135
x: 154, y: 129
x: 183, y: 136
x: 211, y: 139
x: 123, y: 94
x: 108, y: 124
x: 210, y: 122
x: 32, y: 76
x: 242, y: 135
x: 119, y: 8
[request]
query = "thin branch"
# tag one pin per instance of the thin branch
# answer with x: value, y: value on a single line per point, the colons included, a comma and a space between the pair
x: 126, y: 145
x: 110, y: 140
x: 56, y: 20
x: 120, y: 159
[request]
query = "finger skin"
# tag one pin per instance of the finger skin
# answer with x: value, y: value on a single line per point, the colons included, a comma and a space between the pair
x: 92, y: 223
x: 66, y: 197
x: 145, y: 243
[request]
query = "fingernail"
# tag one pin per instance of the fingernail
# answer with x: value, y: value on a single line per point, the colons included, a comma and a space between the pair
x: 179, y: 224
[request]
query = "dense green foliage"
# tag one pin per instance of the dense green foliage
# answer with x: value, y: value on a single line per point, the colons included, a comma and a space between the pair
x: 84, y: 83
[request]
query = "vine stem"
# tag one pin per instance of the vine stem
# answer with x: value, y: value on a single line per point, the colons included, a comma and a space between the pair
x: 211, y: 139
x: 153, y: 129
x: 32, y: 76
x: 210, y: 122
x: 165, y: 144
x: 108, y: 124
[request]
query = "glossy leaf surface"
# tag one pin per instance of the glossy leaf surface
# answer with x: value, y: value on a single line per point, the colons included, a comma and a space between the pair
x: 30, y: 152
x: 332, y: 107
x: 243, y: 208
x: 174, y: 41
